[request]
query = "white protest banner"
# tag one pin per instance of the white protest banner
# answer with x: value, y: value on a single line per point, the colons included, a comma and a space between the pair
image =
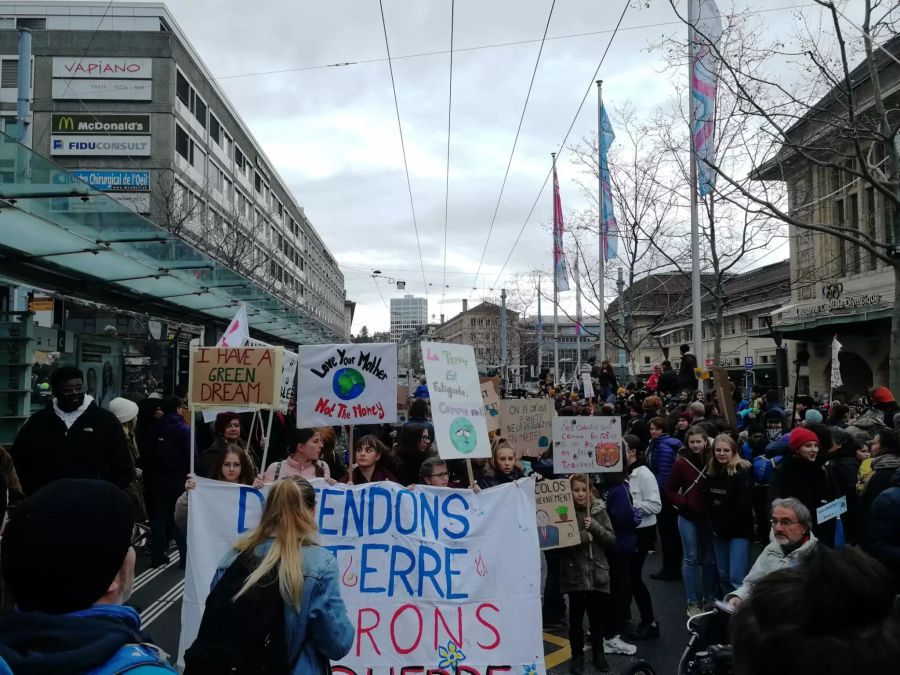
x: 490, y: 398
x: 587, y: 445
x: 527, y: 425
x: 288, y: 373
x: 588, y: 385
x: 555, y: 513
x: 347, y: 384
x: 457, y: 408
x: 425, y: 574
x: 234, y: 378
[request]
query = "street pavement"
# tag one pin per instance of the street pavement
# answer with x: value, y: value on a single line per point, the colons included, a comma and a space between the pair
x: 157, y: 596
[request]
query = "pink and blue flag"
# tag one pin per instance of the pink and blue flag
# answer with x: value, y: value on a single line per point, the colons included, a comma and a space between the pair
x: 559, y: 256
x: 704, y: 84
x: 609, y: 228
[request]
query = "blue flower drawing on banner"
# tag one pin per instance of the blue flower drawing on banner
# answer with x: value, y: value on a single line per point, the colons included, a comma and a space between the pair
x: 529, y: 670
x: 451, y: 655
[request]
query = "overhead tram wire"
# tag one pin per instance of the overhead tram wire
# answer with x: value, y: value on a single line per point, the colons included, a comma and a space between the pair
x: 447, y: 182
x: 412, y: 205
x: 515, y: 143
x: 563, y: 144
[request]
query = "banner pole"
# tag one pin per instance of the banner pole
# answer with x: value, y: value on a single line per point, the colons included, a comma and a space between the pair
x: 268, y: 440
x: 471, y: 473
x: 252, y: 425
x: 193, y: 435
x: 352, y: 456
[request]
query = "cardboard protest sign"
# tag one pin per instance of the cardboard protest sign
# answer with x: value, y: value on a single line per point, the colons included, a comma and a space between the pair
x: 491, y: 398
x: 425, y: 574
x: 457, y: 409
x: 527, y: 425
x: 555, y: 512
x: 288, y: 373
x: 347, y: 384
x: 235, y: 377
x: 588, y: 385
x: 587, y: 445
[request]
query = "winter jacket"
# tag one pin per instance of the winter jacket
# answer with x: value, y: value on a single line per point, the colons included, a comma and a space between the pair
x: 93, y: 447
x: 492, y: 478
x: 379, y: 474
x: 320, y: 630
x: 290, y: 467
x: 621, y: 515
x: 166, y: 459
x: 662, y: 454
x: 684, y: 488
x: 843, y: 466
x: 883, y: 534
x: 771, y: 560
x: 94, y: 640
x: 668, y: 382
x: 728, y: 503
x: 883, y: 469
x: 807, y: 481
x: 653, y: 381
x: 644, y: 494
x: 584, y: 567
x: 763, y: 466
x: 686, y: 377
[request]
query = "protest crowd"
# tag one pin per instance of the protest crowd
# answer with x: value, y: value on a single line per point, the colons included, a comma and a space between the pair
x: 727, y: 503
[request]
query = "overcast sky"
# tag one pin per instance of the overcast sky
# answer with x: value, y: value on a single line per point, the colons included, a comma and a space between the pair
x: 332, y: 132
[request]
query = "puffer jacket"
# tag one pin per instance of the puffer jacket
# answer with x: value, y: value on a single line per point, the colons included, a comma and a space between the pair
x: 728, y: 501
x: 879, y: 480
x: 770, y: 560
x: 883, y: 541
x: 682, y: 491
x: 663, y: 452
x: 584, y: 567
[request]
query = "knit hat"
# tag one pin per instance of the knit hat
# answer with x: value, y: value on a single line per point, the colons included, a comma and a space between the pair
x: 800, y: 436
x: 813, y: 415
x: 123, y: 409
x: 87, y: 522
x: 652, y: 402
x: 687, y: 415
x: 882, y: 395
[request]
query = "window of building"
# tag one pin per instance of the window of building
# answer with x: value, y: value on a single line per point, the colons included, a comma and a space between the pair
x: 841, y: 221
x: 646, y: 360
x: 257, y: 183
x: 215, y: 129
x: 184, y: 145
x: 855, y: 262
x: 239, y: 160
x: 9, y: 73
x: 200, y: 111
x: 183, y: 89
x: 32, y: 23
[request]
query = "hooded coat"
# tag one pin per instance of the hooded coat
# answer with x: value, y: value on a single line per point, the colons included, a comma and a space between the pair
x: 807, y: 481
x: 883, y: 540
x: 585, y: 567
x: 883, y: 470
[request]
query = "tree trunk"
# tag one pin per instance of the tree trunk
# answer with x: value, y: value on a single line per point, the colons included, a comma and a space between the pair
x: 717, y: 339
x: 894, y: 358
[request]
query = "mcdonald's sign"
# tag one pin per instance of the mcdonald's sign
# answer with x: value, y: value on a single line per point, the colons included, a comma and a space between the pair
x: 119, y: 125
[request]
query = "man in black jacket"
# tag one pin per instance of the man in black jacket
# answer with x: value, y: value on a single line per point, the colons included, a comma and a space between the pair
x: 686, y: 377
x: 668, y: 380
x: 75, y: 438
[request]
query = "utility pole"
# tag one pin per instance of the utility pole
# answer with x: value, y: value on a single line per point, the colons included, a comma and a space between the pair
x: 22, y: 100
x: 504, y: 360
x: 620, y: 287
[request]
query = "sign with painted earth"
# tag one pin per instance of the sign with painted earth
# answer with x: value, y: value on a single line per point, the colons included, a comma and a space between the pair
x: 346, y: 384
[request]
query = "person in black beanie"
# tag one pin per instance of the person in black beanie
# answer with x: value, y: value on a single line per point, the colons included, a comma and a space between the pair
x: 72, y: 620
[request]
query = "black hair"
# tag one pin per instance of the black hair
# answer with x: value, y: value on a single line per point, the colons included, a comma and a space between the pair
x: 171, y: 404
x: 684, y: 349
x: 830, y: 615
x: 418, y: 408
x: 60, y: 375
x: 890, y: 441
x: 666, y: 363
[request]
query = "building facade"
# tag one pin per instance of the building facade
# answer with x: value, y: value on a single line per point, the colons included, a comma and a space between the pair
x: 480, y: 328
x: 409, y: 314
x: 123, y: 100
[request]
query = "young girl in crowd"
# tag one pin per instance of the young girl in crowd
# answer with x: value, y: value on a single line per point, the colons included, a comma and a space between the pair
x: 645, y: 498
x: 585, y: 575
x: 317, y: 628
x: 502, y: 467
x: 624, y: 521
x: 728, y: 504
x: 412, y: 447
x: 304, y: 459
x: 684, y: 490
x: 233, y: 465
x: 371, y: 460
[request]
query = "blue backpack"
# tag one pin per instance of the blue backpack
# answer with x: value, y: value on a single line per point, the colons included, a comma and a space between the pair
x: 132, y: 658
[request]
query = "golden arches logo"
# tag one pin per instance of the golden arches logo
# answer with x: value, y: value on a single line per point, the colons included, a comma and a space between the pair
x: 65, y: 124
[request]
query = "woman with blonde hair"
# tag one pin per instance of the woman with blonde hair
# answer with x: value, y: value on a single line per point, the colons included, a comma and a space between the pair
x: 728, y: 504
x: 284, y: 554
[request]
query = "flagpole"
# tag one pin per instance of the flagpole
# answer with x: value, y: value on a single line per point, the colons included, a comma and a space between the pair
x: 555, y: 290
x: 601, y: 284
x: 695, y: 222
x: 540, y: 333
x: 577, y: 321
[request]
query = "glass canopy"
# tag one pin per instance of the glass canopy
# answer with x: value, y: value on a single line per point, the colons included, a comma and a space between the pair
x: 53, y: 226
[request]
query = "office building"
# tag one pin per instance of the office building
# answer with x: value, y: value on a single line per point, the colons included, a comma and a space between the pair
x: 408, y: 315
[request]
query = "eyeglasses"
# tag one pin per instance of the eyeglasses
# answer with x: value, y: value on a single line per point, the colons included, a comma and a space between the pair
x: 140, y: 534
x: 784, y: 522
x: 440, y: 474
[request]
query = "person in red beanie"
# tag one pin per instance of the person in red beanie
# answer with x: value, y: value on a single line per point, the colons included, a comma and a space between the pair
x: 884, y: 401
x: 802, y: 475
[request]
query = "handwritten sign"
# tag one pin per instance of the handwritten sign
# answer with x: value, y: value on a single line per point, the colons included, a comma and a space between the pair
x: 456, y: 404
x: 527, y: 425
x: 588, y: 385
x: 587, y: 445
x: 491, y: 400
x: 242, y: 377
x: 831, y: 510
x: 555, y: 514
x: 425, y: 574
x: 347, y: 384
x: 288, y: 373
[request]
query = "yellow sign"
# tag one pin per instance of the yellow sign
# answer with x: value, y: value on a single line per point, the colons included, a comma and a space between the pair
x: 40, y: 305
x: 239, y: 377
x: 701, y: 373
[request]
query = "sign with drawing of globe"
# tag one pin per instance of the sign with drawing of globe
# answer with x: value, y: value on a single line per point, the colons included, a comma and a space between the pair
x: 346, y: 384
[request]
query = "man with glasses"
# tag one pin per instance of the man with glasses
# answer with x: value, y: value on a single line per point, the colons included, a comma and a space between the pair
x: 72, y: 618
x: 75, y: 438
x: 792, y: 541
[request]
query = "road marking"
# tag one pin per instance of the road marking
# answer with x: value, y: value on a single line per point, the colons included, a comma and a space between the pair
x: 149, y: 575
x: 155, y: 610
x: 561, y: 655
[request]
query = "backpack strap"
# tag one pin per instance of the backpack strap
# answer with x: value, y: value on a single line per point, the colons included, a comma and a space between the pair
x: 133, y: 656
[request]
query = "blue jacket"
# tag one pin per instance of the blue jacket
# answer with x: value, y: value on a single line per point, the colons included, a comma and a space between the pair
x: 663, y: 452
x: 883, y: 540
x: 97, y: 640
x: 320, y: 630
x: 762, y: 468
x: 621, y: 515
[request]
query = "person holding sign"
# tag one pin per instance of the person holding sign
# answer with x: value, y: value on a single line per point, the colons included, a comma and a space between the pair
x: 304, y: 459
x: 585, y: 575
x: 285, y: 561
x: 233, y: 465
x: 228, y: 432
x: 370, y: 458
